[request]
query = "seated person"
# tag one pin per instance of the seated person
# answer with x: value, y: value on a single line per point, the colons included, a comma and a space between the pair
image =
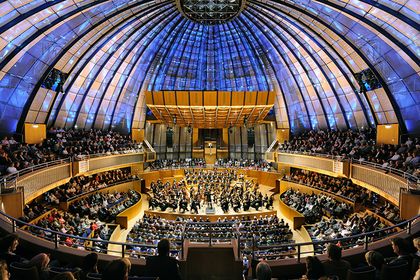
x: 335, y: 266
x: 400, y: 248
x: 263, y: 271
x: 376, y: 260
x: 314, y: 268
x: 162, y: 266
x: 117, y: 270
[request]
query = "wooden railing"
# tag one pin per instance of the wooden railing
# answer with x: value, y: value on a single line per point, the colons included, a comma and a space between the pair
x: 384, y: 181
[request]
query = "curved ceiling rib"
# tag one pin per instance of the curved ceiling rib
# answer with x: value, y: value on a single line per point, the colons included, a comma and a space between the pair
x: 102, y: 54
x: 308, y: 51
x: 327, y: 50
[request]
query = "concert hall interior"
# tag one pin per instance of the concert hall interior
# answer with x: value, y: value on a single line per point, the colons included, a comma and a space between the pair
x: 209, y: 139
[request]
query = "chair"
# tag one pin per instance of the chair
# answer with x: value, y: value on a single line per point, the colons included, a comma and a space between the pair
x: 21, y: 271
x: 363, y: 273
x: 54, y: 271
x: 395, y: 271
x: 94, y: 276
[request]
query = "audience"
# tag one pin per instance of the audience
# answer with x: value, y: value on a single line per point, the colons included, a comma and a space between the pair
x: 339, y: 186
x: 200, y: 189
x: 83, y: 184
x: 314, y: 268
x: 4, y: 272
x: 64, y: 276
x: 314, y: 206
x: 328, y: 229
x: 162, y: 265
x: 263, y: 271
x: 265, y: 231
x: 89, y: 265
x: 345, y: 188
x: 335, y: 265
x: 117, y: 270
x: 8, y: 246
x: 376, y: 260
x: 62, y: 144
x: 104, y: 206
x: 75, y: 225
x: 358, y: 145
x: 401, y: 249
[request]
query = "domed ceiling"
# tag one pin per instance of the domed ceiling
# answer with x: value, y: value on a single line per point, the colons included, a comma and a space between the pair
x: 332, y: 64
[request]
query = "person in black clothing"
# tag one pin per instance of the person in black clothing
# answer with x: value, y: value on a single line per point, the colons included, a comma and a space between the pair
x: 89, y: 265
x: 162, y: 266
x: 8, y: 245
x: 117, y: 270
x: 400, y: 248
x: 314, y: 268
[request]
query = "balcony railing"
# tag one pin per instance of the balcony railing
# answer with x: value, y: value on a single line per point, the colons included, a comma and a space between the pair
x: 365, y: 239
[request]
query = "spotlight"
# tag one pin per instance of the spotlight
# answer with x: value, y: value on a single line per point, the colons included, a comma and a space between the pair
x: 189, y: 129
x: 174, y: 119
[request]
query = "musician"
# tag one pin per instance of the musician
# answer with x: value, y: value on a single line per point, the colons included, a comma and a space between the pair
x: 183, y: 204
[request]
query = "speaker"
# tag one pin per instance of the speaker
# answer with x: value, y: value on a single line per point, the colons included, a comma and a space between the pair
x: 169, y: 138
x: 251, y: 137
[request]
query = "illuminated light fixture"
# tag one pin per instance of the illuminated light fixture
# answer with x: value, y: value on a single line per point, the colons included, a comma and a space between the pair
x: 388, y: 126
x: 210, y: 12
x: 35, y: 126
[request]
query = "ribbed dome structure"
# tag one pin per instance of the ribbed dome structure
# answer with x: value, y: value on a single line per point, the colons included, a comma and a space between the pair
x: 109, y: 53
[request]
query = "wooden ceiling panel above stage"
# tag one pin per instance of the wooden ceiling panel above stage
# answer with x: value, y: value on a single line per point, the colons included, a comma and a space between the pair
x: 210, y: 109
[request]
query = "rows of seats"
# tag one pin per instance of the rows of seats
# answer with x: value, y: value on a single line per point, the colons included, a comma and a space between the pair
x: 76, y: 186
x: 61, y: 144
x: 360, y: 146
x: 262, y: 232
x: 314, y: 206
x: 346, y: 188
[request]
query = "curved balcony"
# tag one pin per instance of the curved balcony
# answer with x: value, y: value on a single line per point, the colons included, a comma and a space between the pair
x: 387, y: 182
x: 41, y: 178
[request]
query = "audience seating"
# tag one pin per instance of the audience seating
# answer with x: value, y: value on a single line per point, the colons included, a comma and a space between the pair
x: 364, y: 273
x: 395, y: 271
x: 20, y: 271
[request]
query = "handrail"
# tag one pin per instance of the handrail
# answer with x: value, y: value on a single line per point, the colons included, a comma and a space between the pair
x: 121, y: 152
x: 401, y: 225
x: 208, y: 166
x: 70, y: 199
x: 398, y: 172
x: 149, y: 146
x: 412, y: 181
x: 11, y: 179
x: 320, y: 189
x: 15, y: 222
